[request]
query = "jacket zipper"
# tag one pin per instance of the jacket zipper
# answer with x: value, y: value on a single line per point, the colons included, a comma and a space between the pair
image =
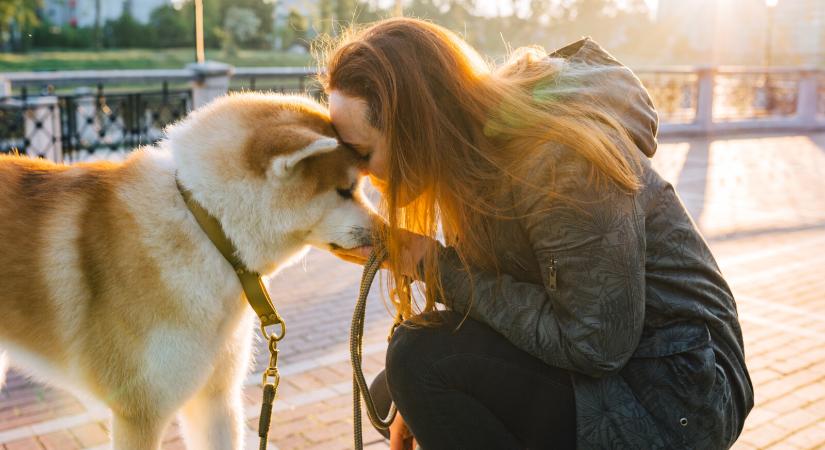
x: 551, y: 277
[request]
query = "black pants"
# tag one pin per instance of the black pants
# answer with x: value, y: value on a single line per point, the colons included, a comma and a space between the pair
x: 473, y: 389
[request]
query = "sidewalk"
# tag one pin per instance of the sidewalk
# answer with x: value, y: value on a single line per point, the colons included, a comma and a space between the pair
x: 760, y: 201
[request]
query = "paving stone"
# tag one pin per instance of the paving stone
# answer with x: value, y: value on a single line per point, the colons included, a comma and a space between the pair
x: 90, y: 435
x: 810, y: 437
x: 60, y: 440
x: 29, y: 443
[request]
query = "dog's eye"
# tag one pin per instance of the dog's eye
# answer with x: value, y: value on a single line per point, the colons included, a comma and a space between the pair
x: 345, y: 193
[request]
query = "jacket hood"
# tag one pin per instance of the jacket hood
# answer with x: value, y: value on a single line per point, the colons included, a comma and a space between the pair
x: 590, y: 71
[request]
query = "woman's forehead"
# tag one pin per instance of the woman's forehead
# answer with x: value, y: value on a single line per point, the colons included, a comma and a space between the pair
x: 349, y: 115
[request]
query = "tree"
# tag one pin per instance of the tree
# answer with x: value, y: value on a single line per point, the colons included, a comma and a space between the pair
x: 16, y: 16
x: 97, y: 37
x: 296, y: 28
x: 262, y: 9
x: 345, y: 12
x: 212, y: 23
x: 240, y: 25
x: 171, y: 27
x: 126, y: 32
x: 325, y: 18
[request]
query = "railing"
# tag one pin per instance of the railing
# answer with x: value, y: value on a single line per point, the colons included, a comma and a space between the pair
x: 675, y: 91
x: 32, y: 126
x: 740, y: 96
x: 713, y: 100
x: 820, y: 98
x: 67, y: 120
x: 119, y: 122
x: 275, y: 79
x: 88, y: 124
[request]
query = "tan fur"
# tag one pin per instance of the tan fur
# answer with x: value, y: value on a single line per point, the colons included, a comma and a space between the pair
x: 107, y: 278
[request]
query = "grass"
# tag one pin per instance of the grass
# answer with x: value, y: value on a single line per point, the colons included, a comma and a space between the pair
x: 49, y: 60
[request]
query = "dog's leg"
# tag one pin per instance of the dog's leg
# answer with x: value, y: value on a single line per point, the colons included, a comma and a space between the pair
x: 137, y: 433
x: 213, y: 418
x: 4, y: 366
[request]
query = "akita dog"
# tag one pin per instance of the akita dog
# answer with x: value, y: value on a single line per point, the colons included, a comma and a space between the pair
x: 109, y: 286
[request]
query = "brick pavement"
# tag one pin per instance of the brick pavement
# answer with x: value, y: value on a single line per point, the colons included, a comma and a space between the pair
x: 759, y: 199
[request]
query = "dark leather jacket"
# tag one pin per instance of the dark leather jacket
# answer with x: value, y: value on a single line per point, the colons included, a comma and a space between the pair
x: 622, y: 290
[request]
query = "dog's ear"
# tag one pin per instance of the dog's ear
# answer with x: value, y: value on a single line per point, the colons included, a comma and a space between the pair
x: 282, y: 165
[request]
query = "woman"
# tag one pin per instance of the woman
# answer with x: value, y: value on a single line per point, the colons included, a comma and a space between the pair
x: 582, y: 308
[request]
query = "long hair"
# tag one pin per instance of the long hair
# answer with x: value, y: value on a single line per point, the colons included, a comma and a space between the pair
x: 457, y: 129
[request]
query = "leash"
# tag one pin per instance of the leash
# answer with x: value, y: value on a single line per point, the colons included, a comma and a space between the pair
x: 257, y: 297
x: 359, y: 384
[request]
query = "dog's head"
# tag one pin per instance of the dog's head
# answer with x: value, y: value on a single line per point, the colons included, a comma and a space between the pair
x: 270, y: 168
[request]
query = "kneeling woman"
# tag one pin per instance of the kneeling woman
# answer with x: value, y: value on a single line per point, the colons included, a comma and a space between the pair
x: 583, y: 307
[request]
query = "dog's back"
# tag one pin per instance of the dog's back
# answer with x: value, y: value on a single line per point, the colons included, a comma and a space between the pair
x: 35, y: 197
x: 64, y: 238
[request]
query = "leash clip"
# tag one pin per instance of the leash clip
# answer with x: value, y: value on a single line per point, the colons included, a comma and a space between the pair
x: 272, y: 370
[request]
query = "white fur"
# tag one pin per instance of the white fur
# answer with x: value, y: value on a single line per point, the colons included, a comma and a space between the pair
x: 4, y: 367
x: 195, y: 366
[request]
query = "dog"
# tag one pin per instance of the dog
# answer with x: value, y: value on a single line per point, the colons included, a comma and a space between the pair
x: 108, y: 286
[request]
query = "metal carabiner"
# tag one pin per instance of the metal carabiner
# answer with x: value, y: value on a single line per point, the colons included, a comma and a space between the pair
x: 275, y: 336
x: 272, y: 369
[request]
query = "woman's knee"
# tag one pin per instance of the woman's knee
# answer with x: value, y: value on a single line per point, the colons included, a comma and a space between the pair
x: 415, y: 347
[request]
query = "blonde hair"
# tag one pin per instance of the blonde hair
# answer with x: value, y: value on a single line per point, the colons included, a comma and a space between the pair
x: 456, y: 128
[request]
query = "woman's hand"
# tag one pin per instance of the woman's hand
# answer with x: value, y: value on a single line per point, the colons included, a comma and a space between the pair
x: 413, y: 248
x: 358, y: 255
x: 400, y: 436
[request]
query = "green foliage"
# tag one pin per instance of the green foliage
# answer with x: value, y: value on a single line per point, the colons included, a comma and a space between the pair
x: 126, y: 32
x: 21, y: 13
x: 141, y: 59
x: 46, y: 35
x: 17, y: 19
x: 240, y: 25
x: 296, y: 29
x: 325, y: 17
x: 261, y: 9
x: 345, y: 12
x: 171, y: 29
x: 212, y: 21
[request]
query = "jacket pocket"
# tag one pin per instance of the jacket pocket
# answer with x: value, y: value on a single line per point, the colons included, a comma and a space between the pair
x: 679, y: 338
x: 674, y: 374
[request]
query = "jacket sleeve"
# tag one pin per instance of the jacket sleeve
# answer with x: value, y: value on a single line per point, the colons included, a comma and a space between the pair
x: 587, y: 315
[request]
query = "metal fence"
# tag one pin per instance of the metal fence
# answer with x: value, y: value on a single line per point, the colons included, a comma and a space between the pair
x: 675, y: 92
x: 741, y: 96
x: 73, y: 127
x: 283, y: 79
x: 717, y: 100
x: 820, y: 103
x: 67, y: 122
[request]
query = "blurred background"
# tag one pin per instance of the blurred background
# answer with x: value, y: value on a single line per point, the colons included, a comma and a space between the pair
x: 739, y: 86
x: 59, y: 34
x: 102, y: 76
